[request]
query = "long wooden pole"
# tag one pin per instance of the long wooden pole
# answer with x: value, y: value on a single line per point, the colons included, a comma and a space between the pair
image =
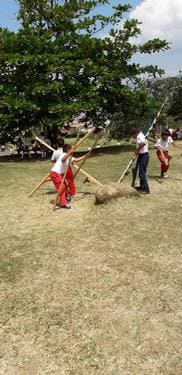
x: 127, y: 169
x: 91, y: 178
x: 91, y: 131
x: 44, y: 143
x: 73, y: 148
x: 80, y: 170
x: 45, y: 179
x: 84, y: 160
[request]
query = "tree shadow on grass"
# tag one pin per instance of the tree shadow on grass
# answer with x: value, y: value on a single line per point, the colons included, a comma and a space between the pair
x: 156, y: 178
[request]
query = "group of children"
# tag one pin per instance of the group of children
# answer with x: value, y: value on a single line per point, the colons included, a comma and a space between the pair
x: 62, y: 159
x: 61, y: 172
x: 163, y: 154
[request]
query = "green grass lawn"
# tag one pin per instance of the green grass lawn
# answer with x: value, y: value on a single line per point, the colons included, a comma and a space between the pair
x: 96, y: 289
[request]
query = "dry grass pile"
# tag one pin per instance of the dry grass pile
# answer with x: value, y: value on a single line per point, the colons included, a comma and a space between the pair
x: 113, y: 191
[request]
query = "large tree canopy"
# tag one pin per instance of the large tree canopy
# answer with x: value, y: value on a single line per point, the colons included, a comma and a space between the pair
x: 170, y: 88
x: 58, y: 65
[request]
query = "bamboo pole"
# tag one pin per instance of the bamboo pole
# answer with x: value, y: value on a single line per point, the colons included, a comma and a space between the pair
x: 84, y: 160
x: 127, y: 169
x: 73, y: 148
x: 92, y: 179
x: 80, y: 170
x: 45, y: 179
x: 44, y: 143
x: 52, y: 149
x: 91, y: 131
x: 77, y: 145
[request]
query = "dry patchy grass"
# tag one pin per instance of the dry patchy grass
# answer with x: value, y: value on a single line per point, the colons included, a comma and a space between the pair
x: 95, y: 290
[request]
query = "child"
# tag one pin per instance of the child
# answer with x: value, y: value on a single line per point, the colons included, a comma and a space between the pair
x: 71, y: 189
x: 56, y: 154
x: 143, y: 159
x: 70, y: 176
x: 163, y: 154
x: 57, y: 173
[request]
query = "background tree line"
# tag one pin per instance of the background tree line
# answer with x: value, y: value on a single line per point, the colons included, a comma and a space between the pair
x: 57, y: 66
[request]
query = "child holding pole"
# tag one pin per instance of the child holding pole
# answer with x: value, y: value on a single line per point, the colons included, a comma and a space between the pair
x: 141, y: 151
x: 71, y: 189
x: 58, y: 177
x: 57, y: 153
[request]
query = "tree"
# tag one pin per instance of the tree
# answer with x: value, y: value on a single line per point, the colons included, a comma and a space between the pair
x: 57, y: 65
x: 170, y: 87
x: 135, y: 110
x: 175, y: 109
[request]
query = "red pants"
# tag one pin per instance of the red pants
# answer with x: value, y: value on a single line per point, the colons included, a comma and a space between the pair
x: 70, y: 181
x: 164, y: 167
x: 56, y: 179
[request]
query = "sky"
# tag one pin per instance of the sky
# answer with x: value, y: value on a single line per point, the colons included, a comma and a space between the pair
x: 160, y: 19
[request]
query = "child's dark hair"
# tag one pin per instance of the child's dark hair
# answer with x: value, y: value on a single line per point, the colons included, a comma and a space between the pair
x: 60, y: 141
x: 66, y: 147
x: 135, y: 130
x: 165, y: 132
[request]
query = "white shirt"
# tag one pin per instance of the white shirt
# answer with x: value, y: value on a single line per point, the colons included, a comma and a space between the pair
x: 60, y: 166
x: 139, y: 140
x: 56, y: 154
x: 170, y: 131
x: 164, y: 144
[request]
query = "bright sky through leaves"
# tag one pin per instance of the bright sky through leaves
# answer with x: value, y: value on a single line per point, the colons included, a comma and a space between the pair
x: 160, y: 18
